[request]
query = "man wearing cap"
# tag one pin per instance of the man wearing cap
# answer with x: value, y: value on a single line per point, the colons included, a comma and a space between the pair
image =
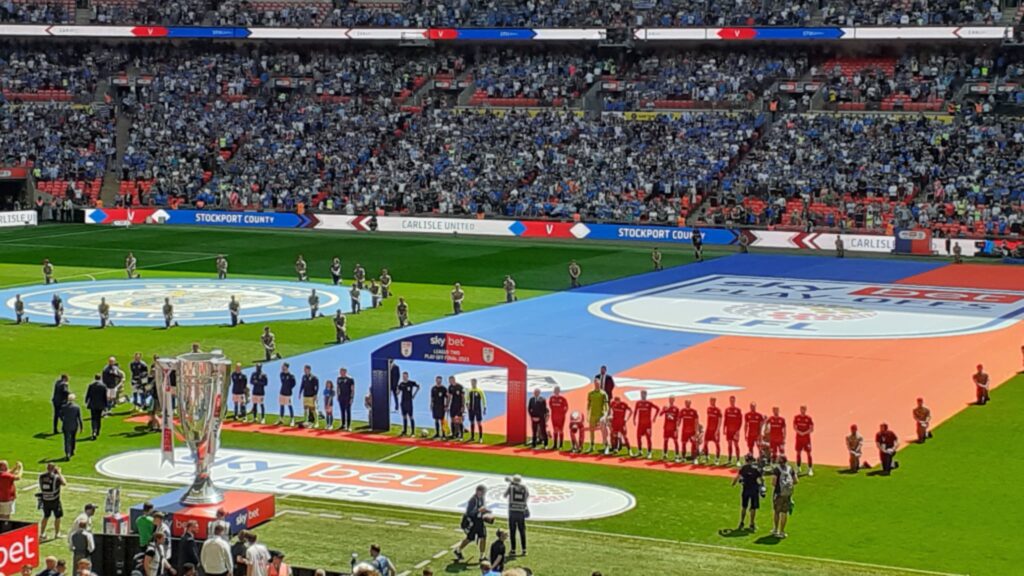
x: 887, y: 443
x: 518, y: 511
x: 981, y: 385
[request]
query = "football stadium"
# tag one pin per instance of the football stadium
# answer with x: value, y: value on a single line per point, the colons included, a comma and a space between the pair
x: 403, y: 288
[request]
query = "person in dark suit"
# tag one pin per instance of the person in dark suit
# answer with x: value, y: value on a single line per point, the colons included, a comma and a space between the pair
x: 188, y: 547
x: 71, y: 423
x: 96, y: 403
x: 538, y: 410
x: 59, y: 398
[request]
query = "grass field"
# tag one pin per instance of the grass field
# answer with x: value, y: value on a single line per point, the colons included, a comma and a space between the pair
x: 949, y: 509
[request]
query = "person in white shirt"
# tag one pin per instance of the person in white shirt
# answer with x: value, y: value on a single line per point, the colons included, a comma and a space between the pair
x: 257, y: 558
x: 82, y: 542
x: 215, y: 557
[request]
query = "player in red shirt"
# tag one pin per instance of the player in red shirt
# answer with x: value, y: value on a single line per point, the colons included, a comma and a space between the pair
x: 644, y: 415
x: 754, y: 422
x: 558, y: 407
x: 670, y: 428
x: 711, y: 431
x: 733, y: 425
x: 804, y: 427
x: 576, y: 429
x: 981, y: 385
x: 689, y: 418
x: 620, y: 412
x: 776, y: 434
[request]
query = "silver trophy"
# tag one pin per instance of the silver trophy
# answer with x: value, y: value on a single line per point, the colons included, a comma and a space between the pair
x: 200, y: 385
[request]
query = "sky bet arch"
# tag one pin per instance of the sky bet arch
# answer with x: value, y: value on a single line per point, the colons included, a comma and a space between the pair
x: 447, y: 348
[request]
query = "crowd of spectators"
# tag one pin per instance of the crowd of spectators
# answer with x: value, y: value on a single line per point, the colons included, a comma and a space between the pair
x: 59, y: 142
x: 555, y: 164
x: 71, y: 69
x: 177, y: 13
x: 719, y: 77
x: 522, y: 13
x: 910, y: 12
x: 37, y: 12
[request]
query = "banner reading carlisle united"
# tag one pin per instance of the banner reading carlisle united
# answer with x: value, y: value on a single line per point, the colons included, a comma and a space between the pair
x: 19, y: 218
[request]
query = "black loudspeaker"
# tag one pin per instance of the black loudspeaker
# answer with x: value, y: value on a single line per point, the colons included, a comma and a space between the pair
x: 114, y: 553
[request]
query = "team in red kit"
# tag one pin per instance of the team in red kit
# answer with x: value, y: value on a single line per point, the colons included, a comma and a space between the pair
x: 690, y: 439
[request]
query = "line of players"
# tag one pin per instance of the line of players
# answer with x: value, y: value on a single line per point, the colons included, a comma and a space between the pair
x: 690, y: 438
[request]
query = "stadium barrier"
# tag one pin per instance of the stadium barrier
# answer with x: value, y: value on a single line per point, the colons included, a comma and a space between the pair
x: 825, y: 241
x: 18, y: 218
x: 519, y: 35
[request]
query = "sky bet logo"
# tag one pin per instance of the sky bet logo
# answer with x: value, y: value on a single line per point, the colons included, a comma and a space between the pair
x: 437, y: 340
x: 802, y: 308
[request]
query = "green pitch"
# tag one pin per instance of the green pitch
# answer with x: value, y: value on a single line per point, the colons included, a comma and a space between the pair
x: 950, y: 508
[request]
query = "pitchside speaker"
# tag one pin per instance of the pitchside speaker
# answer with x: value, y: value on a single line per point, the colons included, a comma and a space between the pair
x: 917, y: 241
x: 113, y: 555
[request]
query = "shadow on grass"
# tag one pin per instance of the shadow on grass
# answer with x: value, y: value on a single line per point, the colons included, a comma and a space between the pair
x: 734, y: 533
x: 768, y: 540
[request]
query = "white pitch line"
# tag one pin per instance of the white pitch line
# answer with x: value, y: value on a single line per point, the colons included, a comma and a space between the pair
x: 431, y: 527
x: 363, y: 519
x: 99, y: 249
x: 330, y: 516
x: 421, y: 565
x: 395, y: 523
x: 440, y: 554
x: 92, y: 231
x: 92, y: 276
x: 397, y: 454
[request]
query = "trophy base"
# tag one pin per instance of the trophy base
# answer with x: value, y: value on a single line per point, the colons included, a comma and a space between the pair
x: 243, y: 509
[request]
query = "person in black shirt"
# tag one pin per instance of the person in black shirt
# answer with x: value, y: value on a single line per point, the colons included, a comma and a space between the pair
x: 285, y: 397
x: 113, y: 378
x: 697, y: 239
x: 238, y: 550
x: 258, y: 383
x: 537, y: 408
x: 310, y: 388
x: 239, y: 384
x: 473, y: 523
x: 188, y: 548
x: 752, y: 479
x: 140, y: 374
x: 456, y: 406
x: 50, y: 483
x: 498, y: 552
x: 71, y: 423
x: 407, y: 390
x: 438, y: 407
x: 394, y: 378
x: 346, y: 395
x: 59, y: 398
x: 96, y: 403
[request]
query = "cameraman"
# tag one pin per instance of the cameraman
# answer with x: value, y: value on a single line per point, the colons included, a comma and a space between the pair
x: 518, y: 510
x: 50, y: 483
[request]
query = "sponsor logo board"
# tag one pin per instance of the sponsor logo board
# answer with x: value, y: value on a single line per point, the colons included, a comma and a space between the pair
x: 19, y: 218
x: 19, y: 547
x: 494, y: 380
x: 357, y: 481
x: 790, y: 308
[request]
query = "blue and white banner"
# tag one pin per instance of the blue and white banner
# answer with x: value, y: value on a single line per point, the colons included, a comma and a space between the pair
x: 673, y: 234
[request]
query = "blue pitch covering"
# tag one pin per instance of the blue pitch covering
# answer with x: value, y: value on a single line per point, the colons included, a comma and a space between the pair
x: 556, y: 332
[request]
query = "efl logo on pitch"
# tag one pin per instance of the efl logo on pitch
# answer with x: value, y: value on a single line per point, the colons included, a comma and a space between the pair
x: 809, y: 308
x: 383, y: 478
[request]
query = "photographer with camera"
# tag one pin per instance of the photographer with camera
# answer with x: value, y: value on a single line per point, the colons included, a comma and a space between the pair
x: 518, y: 510
x: 50, y: 483
x: 473, y: 523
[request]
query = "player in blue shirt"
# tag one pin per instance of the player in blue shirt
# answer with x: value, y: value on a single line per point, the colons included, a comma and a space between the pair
x: 285, y: 397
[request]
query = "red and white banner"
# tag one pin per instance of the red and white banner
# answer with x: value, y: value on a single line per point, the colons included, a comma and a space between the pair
x: 19, y: 548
